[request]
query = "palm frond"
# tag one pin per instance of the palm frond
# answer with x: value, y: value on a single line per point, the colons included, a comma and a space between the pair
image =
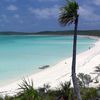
x: 27, y: 91
x: 68, y: 13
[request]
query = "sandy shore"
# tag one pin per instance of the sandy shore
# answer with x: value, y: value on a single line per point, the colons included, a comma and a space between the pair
x: 61, y: 72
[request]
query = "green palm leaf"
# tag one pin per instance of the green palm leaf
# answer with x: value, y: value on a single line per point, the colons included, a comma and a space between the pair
x: 68, y: 13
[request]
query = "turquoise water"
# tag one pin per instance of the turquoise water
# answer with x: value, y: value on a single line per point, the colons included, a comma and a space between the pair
x: 23, y: 55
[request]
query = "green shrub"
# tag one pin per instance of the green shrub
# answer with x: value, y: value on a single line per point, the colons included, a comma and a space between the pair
x: 84, y: 80
x: 89, y: 93
x: 27, y: 91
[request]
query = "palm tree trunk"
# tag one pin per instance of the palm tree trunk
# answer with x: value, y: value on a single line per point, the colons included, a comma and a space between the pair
x: 74, y: 78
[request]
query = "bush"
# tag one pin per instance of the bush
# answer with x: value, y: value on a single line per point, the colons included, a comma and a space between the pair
x: 84, y: 80
x: 89, y: 93
x: 27, y: 91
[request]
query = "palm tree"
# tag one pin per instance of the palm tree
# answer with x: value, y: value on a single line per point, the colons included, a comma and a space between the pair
x: 64, y: 92
x: 69, y: 15
x: 27, y: 91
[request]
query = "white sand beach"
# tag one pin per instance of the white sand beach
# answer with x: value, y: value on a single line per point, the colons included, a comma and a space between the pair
x: 61, y: 72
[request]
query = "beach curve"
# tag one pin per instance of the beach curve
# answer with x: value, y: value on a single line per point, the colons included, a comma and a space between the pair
x: 60, y: 72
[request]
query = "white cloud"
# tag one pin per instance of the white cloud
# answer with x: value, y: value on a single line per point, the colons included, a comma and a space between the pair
x: 96, y: 2
x: 45, y: 12
x: 17, y: 16
x: 4, y: 18
x: 88, y: 14
x: 21, y: 21
x: 12, y: 8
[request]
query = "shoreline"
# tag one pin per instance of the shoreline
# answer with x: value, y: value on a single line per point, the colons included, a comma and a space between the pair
x: 56, y: 74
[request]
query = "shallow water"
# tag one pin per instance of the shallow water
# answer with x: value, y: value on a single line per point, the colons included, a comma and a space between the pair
x: 23, y: 55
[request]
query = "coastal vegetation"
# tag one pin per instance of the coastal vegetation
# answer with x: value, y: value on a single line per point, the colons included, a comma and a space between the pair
x: 64, y: 92
x: 68, y: 32
x: 84, y: 80
x: 97, y: 72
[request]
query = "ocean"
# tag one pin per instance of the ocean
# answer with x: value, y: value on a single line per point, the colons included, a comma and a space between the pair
x: 23, y: 55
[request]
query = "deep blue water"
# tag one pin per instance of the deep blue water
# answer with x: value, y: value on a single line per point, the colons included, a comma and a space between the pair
x: 23, y: 55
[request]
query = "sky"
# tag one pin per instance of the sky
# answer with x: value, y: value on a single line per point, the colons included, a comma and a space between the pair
x: 42, y: 15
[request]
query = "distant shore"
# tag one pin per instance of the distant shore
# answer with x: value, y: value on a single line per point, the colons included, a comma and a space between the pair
x: 61, y: 72
x: 70, y: 32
